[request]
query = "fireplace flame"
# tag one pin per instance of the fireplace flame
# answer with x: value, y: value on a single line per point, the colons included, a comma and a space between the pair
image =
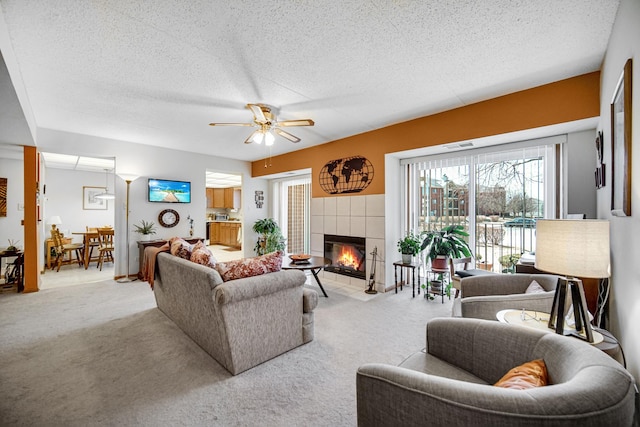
x: 348, y: 258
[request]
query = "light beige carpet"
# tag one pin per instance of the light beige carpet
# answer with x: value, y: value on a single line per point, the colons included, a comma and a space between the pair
x: 103, y: 354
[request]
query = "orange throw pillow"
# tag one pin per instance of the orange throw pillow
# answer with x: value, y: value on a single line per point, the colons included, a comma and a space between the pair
x: 528, y: 375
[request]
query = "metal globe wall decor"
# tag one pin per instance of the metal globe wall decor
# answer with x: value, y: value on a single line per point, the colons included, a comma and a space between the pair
x: 347, y: 175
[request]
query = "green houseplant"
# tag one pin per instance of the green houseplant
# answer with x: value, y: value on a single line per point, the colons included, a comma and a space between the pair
x: 409, y: 246
x: 270, y: 237
x: 145, y: 228
x: 444, y: 244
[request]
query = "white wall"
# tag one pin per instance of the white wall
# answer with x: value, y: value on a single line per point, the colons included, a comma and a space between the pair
x: 63, y: 197
x: 625, y: 245
x: 581, y: 162
x: 10, y: 226
x: 153, y: 162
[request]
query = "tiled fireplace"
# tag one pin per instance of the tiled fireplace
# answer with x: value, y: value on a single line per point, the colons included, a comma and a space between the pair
x: 347, y: 254
x: 360, y: 217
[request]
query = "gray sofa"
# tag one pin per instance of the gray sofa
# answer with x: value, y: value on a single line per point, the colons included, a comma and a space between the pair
x: 481, y: 297
x: 240, y: 323
x: 450, y: 382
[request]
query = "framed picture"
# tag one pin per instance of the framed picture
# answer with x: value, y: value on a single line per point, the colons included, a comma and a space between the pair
x: 600, y: 167
x: 89, y: 201
x: 621, y: 145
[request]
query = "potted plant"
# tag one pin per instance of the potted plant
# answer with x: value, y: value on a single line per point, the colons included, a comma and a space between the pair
x: 146, y: 229
x: 444, y: 244
x: 509, y: 262
x: 270, y: 237
x: 12, y: 248
x: 409, y: 246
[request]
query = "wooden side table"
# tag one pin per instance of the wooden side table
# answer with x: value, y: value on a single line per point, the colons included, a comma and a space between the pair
x: 603, y: 339
x: 409, y: 266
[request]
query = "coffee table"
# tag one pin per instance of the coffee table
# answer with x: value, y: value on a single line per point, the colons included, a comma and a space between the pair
x: 314, y: 264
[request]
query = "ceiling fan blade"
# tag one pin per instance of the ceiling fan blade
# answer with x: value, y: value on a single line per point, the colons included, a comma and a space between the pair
x: 301, y: 122
x: 257, y: 113
x: 230, y: 124
x: 287, y: 135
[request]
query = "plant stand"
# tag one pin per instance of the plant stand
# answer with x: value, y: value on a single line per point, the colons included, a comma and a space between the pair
x: 435, y: 273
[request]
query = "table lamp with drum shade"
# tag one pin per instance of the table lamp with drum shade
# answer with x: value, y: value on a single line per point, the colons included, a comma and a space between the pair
x: 54, y: 221
x: 572, y: 249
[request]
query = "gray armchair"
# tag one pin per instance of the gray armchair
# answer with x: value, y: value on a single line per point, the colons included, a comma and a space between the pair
x: 450, y: 381
x: 483, y: 296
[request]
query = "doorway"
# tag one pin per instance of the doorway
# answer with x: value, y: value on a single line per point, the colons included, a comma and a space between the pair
x: 71, y: 183
x: 224, y: 215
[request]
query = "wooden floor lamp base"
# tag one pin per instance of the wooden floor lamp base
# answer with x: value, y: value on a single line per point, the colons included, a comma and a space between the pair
x: 580, y: 312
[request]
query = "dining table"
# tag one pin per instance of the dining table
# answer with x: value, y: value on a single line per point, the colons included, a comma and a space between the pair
x: 86, y: 241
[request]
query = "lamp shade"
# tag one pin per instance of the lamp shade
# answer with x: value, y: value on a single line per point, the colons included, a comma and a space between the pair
x: 128, y: 176
x: 573, y: 248
x: 54, y: 220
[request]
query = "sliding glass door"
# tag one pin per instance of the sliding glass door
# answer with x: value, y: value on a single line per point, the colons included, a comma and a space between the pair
x: 495, y: 194
x: 293, y: 206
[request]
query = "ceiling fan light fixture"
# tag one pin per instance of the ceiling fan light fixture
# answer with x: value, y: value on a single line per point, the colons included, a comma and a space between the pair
x: 258, y: 137
x: 268, y: 139
x: 265, y: 120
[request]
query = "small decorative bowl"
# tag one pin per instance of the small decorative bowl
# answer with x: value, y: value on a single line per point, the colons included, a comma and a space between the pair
x: 299, y: 257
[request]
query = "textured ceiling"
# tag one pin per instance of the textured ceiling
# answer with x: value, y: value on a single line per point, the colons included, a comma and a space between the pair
x: 158, y: 71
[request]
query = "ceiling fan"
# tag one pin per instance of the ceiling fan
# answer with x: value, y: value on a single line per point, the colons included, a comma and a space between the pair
x: 264, y: 118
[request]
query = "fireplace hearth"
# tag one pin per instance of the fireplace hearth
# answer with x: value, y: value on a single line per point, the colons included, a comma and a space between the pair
x: 347, y: 255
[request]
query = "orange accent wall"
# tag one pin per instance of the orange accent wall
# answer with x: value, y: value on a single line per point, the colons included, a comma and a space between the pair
x: 31, y: 245
x: 563, y: 101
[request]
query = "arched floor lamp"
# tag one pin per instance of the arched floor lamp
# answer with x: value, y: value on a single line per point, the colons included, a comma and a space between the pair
x: 128, y: 178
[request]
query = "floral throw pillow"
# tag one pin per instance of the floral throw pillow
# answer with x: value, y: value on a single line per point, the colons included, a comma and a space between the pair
x: 248, y: 267
x: 180, y: 247
x: 202, y: 255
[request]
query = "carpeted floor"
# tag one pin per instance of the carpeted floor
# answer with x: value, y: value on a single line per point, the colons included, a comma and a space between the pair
x: 103, y: 354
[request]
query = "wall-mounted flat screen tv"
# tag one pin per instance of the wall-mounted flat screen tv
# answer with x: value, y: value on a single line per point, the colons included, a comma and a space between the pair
x: 167, y: 191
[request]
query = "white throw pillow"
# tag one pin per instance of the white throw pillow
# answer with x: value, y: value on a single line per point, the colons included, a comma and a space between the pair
x: 534, y: 288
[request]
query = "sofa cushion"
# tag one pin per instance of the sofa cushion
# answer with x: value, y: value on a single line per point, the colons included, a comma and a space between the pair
x: 473, y: 272
x: 528, y: 375
x: 180, y: 248
x: 248, y: 267
x: 202, y: 255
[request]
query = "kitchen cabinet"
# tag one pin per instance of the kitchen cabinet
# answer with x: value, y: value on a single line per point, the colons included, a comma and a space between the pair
x: 209, y: 197
x: 224, y: 233
x: 223, y: 198
x: 218, y: 198
x: 228, y: 198
x: 214, y: 232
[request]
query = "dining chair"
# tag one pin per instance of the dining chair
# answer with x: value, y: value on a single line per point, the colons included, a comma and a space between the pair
x: 61, y: 249
x: 106, y: 245
x: 93, y: 242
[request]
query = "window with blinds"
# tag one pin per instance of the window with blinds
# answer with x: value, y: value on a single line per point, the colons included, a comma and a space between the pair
x: 495, y: 193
